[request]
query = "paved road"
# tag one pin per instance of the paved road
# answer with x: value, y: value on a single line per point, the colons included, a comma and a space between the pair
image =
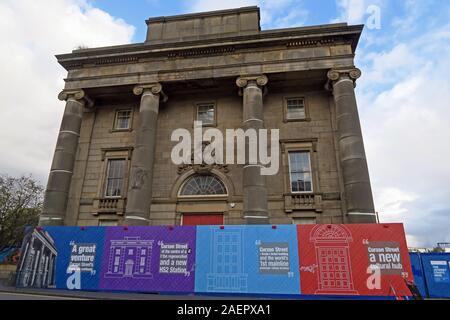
x: 12, y: 293
x: 25, y: 296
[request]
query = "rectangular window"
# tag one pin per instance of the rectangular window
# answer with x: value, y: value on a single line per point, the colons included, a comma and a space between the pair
x: 114, y: 177
x: 300, y: 171
x: 123, y: 120
x: 295, y: 109
x: 206, y: 113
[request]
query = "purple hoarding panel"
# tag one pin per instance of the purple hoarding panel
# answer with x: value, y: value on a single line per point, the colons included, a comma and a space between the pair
x: 142, y: 259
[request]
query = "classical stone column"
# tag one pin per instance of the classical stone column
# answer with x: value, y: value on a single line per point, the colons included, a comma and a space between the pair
x: 254, y: 184
x: 57, y: 192
x: 357, y: 190
x: 139, y: 197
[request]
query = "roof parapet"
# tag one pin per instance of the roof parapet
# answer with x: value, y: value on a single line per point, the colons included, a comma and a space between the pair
x: 204, y: 25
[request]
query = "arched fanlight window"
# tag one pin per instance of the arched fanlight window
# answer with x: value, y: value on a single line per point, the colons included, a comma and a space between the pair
x: 203, y: 185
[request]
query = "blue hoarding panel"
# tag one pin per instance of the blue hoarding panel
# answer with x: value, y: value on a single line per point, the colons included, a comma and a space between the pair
x: 78, y: 249
x: 241, y: 259
x: 436, y: 267
x: 419, y: 277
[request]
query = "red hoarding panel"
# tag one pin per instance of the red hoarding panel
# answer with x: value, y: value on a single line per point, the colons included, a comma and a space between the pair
x: 359, y: 259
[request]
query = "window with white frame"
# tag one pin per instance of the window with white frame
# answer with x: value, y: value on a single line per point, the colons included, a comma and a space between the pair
x: 114, y: 178
x: 123, y: 120
x: 300, y: 171
x: 206, y: 113
x: 201, y: 185
x: 295, y: 109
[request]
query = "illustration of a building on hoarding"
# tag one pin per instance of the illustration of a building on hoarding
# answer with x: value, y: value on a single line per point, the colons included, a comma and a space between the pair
x: 227, y: 273
x: 331, y: 244
x: 130, y: 258
x: 38, y: 261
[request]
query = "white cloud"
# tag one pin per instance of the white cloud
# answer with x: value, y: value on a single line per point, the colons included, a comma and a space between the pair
x: 391, y: 202
x: 413, y: 241
x: 293, y: 18
x: 404, y: 100
x: 414, y: 11
x: 388, y: 67
x: 352, y: 11
x: 208, y: 5
x: 357, y: 11
x: 282, y: 13
x: 32, y: 32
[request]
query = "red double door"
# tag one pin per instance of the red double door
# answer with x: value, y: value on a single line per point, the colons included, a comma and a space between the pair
x: 202, y: 219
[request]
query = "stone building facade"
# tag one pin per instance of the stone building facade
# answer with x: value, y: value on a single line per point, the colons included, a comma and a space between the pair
x: 112, y: 164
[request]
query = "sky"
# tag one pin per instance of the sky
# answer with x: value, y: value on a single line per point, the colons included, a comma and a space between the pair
x: 403, y: 95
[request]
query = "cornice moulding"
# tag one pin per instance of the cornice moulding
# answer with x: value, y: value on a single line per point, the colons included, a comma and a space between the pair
x: 309, y: 36
x: 205, y: 68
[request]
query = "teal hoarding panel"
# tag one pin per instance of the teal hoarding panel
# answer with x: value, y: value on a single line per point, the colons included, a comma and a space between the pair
x: 247, y: 260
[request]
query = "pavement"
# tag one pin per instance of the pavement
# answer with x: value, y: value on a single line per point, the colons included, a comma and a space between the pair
x: 24, y: 296
x: 13, y: 293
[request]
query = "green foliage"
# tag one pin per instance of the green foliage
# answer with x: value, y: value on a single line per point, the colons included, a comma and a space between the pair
x: 21, y: 202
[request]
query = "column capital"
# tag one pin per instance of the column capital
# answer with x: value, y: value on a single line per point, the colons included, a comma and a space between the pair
x: 261, y: 80
x: 338, y: 74
x: 75, y: 94
x: 78, y: 95
x: 154, y: 88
